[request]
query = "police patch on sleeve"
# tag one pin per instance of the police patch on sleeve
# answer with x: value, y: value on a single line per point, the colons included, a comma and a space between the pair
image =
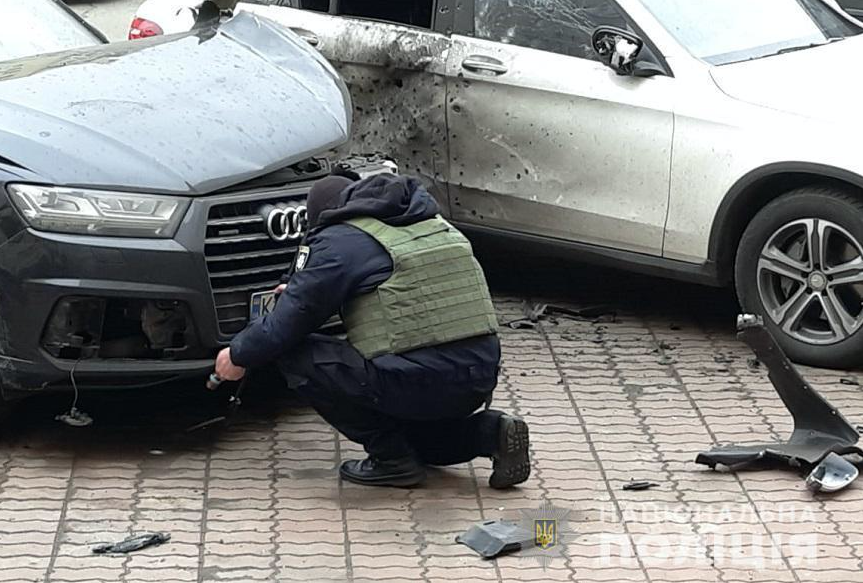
x: 302, y: 257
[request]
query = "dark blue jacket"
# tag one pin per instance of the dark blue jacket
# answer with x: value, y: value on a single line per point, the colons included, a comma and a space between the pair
x: 345, y: 262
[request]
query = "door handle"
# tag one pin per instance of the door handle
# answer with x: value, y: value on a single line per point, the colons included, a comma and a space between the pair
x: 478, y: 63
x: 307, y: 36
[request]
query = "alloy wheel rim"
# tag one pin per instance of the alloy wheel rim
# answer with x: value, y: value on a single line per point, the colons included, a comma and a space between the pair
x: 810, y: 280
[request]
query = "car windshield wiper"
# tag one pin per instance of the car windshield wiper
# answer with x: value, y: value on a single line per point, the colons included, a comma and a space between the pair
x: 809, y: 46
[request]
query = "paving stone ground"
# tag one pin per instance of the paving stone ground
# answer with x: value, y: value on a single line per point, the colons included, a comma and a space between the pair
x: 607, y: 401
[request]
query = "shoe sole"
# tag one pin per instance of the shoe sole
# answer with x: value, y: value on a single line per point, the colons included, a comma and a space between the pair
x: 512, y: 464
x: 396, y: 481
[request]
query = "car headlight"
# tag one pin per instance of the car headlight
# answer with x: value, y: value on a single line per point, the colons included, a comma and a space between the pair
x: 97, y: 212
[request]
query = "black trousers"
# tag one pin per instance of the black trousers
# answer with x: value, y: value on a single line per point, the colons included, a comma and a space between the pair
x: 396, y: 413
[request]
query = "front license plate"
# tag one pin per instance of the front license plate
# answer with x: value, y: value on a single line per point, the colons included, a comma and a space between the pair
x: 262, y: 304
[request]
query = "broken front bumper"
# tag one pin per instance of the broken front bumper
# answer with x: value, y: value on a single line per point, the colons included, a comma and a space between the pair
x: 136, y: 312
x: 821, y: 434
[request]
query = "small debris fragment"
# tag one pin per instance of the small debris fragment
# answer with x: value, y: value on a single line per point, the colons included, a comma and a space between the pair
x: 674, y: 327
x: 723, y: 359
x: 133, y: 543
x: 595, y: 314
x: 663, y: 345
x: 157, y: 452
x: 522, y: 324
x: 533, y: 314
x: 75, y: 418
x: 639, y: 485
x: 496, y: 537
x: 753, y: 363
x: 666, y: 360
x: 848, y: 381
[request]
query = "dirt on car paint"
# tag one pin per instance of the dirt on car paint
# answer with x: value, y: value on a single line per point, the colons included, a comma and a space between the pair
x: 398, y: 95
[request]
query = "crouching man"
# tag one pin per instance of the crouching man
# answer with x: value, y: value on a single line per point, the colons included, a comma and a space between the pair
x: 422, y: 353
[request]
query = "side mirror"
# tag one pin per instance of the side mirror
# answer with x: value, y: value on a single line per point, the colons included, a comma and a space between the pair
x: 617, y: 48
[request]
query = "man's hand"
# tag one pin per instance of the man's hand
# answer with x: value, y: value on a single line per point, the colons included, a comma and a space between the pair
x: 227, y: 370
x: 280, y: 289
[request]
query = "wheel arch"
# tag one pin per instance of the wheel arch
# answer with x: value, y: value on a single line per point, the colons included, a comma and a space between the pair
x: 754, y: 191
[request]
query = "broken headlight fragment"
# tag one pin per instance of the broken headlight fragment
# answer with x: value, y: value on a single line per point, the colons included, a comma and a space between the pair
x: 821, y: 434
x: 95, y: 212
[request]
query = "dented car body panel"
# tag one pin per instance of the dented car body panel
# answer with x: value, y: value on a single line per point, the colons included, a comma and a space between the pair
x: 553, y: 144
x: 557, y: 155
x: 122, y: 102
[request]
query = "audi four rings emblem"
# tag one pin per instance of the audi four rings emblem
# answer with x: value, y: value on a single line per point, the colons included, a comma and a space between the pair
x: 286, y: 224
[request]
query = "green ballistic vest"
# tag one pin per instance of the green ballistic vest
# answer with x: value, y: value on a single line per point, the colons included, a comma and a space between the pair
x: 437, y: 292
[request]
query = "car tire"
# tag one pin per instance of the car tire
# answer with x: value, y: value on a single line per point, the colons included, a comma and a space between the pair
x: 799, y: 265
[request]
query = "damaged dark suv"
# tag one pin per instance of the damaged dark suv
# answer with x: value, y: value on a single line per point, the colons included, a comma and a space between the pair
x: 151, y: 193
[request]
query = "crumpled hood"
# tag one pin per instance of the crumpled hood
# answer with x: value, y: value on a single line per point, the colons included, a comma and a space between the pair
x: 820, y: 83
x: 190, y: 113
x: 394, y: 200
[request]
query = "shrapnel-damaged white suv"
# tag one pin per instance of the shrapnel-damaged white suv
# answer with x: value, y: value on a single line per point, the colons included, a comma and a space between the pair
x: 709, y: 140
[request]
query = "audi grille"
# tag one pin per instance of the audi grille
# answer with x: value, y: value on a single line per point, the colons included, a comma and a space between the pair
x: 242, y: 258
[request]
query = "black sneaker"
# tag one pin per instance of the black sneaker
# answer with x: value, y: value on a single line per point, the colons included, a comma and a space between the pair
x: 512, y: 460
x: 400, y: 473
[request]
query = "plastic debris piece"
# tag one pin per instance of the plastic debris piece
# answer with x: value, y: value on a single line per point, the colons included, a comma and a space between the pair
x: 133, y: 543
x: 833, y: 474
x: 849, y: 381
x: 819, y: 428
x: 496, y: 537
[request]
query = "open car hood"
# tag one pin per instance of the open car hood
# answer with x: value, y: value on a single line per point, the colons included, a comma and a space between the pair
x: 189, y: 113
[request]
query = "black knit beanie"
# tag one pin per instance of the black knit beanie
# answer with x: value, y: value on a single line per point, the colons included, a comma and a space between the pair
x: 324, y: 195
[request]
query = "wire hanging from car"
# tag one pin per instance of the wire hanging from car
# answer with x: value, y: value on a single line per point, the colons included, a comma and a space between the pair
x: 75, y: 417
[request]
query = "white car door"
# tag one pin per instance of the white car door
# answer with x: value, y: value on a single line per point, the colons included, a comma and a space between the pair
x: 544, y: 139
